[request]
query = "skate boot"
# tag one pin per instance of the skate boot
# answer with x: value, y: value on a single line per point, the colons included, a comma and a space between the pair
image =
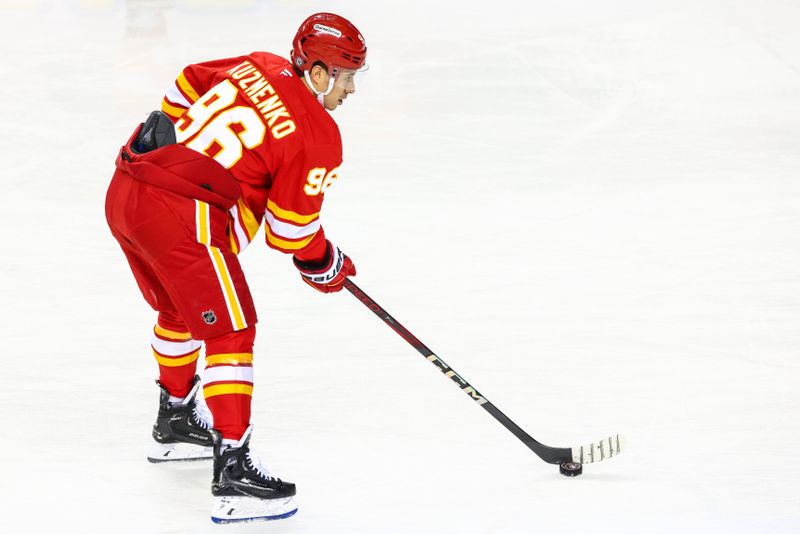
x: 181, y: 431
x: 243, y: 488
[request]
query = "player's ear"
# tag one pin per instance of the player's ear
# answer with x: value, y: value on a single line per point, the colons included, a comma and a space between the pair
x: 319, y: 73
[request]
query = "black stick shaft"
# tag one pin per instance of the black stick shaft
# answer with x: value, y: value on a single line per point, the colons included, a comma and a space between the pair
x: 548, y: 454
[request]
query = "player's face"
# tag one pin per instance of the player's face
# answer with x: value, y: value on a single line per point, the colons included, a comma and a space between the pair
x: 344, y: 84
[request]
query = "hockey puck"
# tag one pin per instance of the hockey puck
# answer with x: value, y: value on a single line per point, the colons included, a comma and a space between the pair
x: 570, y: 469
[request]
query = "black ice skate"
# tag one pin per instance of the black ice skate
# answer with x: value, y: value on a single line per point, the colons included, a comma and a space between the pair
x: 243, y: 488
x: 181, y: 431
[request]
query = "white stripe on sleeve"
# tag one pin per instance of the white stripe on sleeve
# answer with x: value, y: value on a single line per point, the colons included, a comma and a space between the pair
x: 290, y: 231
x: 241, y: 234
x: 176, y: 97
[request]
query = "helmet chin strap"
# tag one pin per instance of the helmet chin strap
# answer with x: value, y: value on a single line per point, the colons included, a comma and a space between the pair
x: 320, y: 95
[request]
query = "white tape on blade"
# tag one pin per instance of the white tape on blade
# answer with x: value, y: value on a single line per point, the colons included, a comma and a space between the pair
x: 598, y: 451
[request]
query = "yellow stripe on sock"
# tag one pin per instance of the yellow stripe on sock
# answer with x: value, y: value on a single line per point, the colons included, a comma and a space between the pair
x: 176, y: 362
x: 171, y: 334
x: 229, y: 359
x: 228, y: 389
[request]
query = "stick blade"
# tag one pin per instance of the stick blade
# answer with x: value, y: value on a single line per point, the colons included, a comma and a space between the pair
x: 599, y: 450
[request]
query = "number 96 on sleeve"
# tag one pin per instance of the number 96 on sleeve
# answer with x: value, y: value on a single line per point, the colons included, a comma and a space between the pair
x: 319, y: 179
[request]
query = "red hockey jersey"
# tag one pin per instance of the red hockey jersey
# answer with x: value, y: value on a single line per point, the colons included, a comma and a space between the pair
x: 255, y: 117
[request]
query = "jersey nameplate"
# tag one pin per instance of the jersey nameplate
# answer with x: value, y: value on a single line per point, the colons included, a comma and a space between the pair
x: 263, y: 96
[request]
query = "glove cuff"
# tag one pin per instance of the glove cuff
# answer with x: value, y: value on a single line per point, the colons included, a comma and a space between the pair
x: 326, y: 269
x: 317, y: 265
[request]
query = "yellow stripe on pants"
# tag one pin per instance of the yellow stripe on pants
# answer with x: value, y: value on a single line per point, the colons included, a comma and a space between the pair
x: 231, y: 299
x: 203, y: 222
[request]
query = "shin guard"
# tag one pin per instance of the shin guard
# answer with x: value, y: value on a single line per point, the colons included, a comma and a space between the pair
x: 176, y: 353
x: 228, y: 381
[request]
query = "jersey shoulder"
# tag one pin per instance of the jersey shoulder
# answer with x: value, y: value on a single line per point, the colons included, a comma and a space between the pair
x: 313, y: 121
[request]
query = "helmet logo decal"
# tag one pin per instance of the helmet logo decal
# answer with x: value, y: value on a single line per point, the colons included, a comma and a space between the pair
x: 328, y: 30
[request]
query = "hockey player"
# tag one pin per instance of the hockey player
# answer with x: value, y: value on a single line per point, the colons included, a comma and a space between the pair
x: 237, y: 141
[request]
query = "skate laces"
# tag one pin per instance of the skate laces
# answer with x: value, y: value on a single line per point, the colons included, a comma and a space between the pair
x: 253, y: 461
x: 256, y: 465
x: 200, y: 414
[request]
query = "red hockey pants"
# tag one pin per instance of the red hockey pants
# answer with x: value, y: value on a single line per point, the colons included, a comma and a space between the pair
x: 179, y: 251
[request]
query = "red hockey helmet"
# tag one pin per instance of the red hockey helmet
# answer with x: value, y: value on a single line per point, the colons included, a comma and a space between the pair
x: 330, y: 39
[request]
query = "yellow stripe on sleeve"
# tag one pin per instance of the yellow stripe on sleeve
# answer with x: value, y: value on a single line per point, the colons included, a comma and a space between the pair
x: 173, y: 111
x: 234, y: 246
x: 228, y: 389
x: 187, y: 88
x: 171, y: 334
x: 290, y: 215
x: 230, y: 359
x: 287, y: 245
x: 176, y: 362
x: 251, y: 224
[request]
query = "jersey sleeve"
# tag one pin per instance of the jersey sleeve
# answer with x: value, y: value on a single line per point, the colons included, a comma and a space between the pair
x: 292, y: 218
x: 193, y: 82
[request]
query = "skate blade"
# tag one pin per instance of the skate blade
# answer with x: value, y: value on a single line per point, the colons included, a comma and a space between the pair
x: 240, y: 509
x: 178, y: 452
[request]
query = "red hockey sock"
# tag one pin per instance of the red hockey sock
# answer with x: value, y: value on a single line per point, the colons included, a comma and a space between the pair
x: 176, y: 353
x: 228, y: 381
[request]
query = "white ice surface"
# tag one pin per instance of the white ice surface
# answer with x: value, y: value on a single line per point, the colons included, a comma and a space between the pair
x: 590, y: 209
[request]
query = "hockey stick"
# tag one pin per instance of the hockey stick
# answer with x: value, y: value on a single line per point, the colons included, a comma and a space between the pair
x: 593, y: 452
